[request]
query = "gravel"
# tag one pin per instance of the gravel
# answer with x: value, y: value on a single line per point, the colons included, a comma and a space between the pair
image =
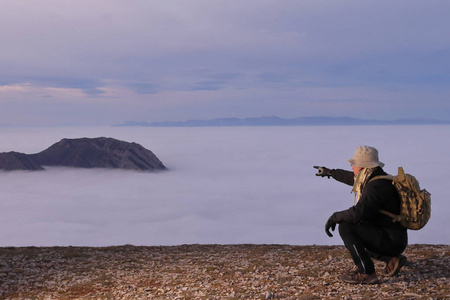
x: 212, y: 272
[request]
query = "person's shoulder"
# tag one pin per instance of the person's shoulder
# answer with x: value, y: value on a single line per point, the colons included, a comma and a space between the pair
x: 381, y: 185
x: 379, y: 182
x: 379, y: 178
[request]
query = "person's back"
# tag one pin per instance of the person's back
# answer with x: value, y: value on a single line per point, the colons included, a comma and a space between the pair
x: 380, y: 191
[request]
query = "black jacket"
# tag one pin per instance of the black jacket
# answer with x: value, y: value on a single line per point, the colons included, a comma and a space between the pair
x: 377, y: 194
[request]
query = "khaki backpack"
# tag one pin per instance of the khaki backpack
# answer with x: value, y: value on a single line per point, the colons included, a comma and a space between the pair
x: 415, y: 208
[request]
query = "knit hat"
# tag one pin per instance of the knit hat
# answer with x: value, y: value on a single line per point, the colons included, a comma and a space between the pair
x: 366, y: 157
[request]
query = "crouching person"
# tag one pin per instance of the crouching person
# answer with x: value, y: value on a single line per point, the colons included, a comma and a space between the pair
x: 366, y: 232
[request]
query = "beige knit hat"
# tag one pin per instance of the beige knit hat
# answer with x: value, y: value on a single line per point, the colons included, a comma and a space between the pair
x: 365, y: 157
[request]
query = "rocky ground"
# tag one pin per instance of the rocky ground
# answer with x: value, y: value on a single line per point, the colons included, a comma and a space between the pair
x: 212, y: 272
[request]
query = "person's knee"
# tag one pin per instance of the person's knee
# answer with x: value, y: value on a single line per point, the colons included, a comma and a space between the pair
x: 345, y: 229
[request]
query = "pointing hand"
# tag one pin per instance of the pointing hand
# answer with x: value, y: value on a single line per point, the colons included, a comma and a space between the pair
x: 322, y: 171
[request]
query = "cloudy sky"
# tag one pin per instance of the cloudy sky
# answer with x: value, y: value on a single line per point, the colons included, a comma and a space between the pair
x: 105, y: 62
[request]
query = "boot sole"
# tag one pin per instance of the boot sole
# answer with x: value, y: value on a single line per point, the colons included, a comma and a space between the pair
x: 373, y: 281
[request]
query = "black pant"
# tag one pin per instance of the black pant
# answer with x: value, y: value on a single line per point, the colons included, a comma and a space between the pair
x: 365, y: 240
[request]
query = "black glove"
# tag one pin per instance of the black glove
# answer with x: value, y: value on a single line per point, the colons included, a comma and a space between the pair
x: 322, y: 171
x: 330, y: 224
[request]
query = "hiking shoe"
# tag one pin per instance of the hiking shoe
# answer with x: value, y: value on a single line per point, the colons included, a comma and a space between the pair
x: 359, y: 278
x: 353, y: 270
x: 394, y: 265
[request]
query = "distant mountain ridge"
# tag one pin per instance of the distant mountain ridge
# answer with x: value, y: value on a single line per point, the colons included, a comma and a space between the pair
x: 277, y: 121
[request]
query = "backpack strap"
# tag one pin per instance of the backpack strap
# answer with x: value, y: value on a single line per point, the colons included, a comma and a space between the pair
x: 388, y: 177
x: 395, y: 218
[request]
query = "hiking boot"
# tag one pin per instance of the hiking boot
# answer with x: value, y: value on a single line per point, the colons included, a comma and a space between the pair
x: 356, y: 277
x: 353, y: 270
x: 394, y: 265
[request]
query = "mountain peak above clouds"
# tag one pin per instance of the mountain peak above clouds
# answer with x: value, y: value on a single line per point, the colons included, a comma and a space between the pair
x: 98, y: 152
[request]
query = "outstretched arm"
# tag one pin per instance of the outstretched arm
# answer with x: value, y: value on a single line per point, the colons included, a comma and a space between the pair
x: 343, y: 176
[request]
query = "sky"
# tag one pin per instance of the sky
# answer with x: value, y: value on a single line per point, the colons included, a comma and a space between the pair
x: 224, y: 185
x: 106, y: 62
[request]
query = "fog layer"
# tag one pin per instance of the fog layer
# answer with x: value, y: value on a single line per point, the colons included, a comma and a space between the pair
x: 224, y: 185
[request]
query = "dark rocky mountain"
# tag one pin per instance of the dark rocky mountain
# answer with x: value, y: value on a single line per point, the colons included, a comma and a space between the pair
x: 18, y: 161
x: 99, y: 152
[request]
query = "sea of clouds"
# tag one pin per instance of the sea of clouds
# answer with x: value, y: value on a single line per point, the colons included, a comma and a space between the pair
x: 224, y: 185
